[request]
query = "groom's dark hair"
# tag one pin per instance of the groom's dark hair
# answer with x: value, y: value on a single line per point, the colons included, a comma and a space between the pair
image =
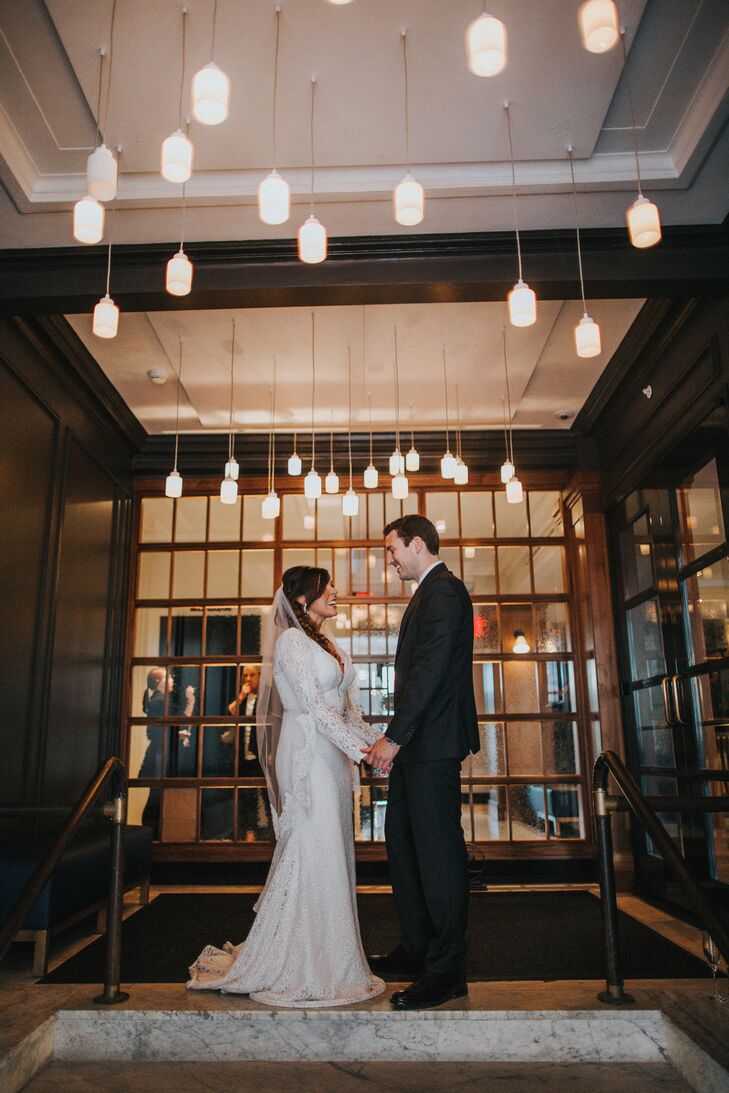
x: 407, y: 527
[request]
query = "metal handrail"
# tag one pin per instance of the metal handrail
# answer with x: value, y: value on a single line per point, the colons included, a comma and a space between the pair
x: 112, y: 769
x: 609, y: 763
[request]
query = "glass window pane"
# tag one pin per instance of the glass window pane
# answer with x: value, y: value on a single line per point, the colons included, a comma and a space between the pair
x: 257, y: 574
x: 707, y: 598
x: 376, y: 515
x: 376, y: 562
x: 520, y: 686
x: 645, y: 641
x: 356, y: 527
x: 254, y: 815
x: 299, y: 520
x: 220, y: 689
x: 216, y: 814
x: 485, y: 628
x: 548, y: 571
x: 466, y: 820
x: 218, y: 751
x: 190, y: 519
x: 553, y: 628
x: 479, y: 570
x: 487, y: 687
x: 188, y: 578
x: 700, y: 514
x: 331, y: 523
x: 477, y: 515
x: 154, y: 576
x: 224, y: 522
x: 442, y: 509
x: 341, y: 628
x: 360, y: 583
x: 527, y: 808
x: 156, y: 520
x: 560, y: 750
x: 145, y: 751
x: 395, y: 613
x: 221, y: 631
x: 545, y: 513
x: 655, y: 738
x: 252, y: 622
x: 511, y: 520
x: 564, y: 812
x: 557, y: 685
x: 636, y: 550
x: 179, y: 816
x: 452, y: 558
x: 186, y: 632
x: 292, y: 556
x: 490, y: 817
x: 514, y: 576
x: 181, y: 754
x: 255, y: 527
x: 525, y: 747
x: 150, y: 632
x: 516, y: 622
x: 222, y: 574
x: 491, y: 759
x: 183, y: 698
x: 341, y: 571
x: 410, y: 504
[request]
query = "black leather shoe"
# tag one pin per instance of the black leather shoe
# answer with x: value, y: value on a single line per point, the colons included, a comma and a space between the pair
x: 429, y: 990
x: 398, y: 962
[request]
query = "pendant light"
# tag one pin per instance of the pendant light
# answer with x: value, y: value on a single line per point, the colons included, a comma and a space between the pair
x: 599, y: 25
x: 101, y: 166
x: 409, y: 196
x: 274, y: 196
x: 211, y: 87
x: 350, y: 501
x: 176, y: 158
x: 399, y: 484
x: 587, y: 332
x: 486, y: 45
x: 370, y: 475
x: 412, y: 459
x: 105, y: 322
x: 178, y: 274
x: 271, y: 504
x: 522, y: 300
x: 460, y: 477
x: 514, y: 491
x: 88, y: 213
x: 294, y: 463
x: 312, y: 237
x: 312, y: 482
x: 173, y: 482
x: 331, y: 482
x: 643, y: 219
x: 448, y: 462
x: 229, y: 484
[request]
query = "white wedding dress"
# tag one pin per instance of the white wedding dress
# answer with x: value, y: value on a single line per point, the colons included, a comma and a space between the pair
x: 304, y: 948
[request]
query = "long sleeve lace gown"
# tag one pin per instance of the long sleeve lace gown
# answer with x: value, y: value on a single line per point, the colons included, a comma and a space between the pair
x: 304, y: 948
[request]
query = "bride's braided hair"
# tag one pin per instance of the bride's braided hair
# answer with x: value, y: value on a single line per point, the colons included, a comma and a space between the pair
x: 308, y: 581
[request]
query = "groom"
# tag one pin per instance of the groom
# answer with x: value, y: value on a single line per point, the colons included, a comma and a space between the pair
x: 433, y: 728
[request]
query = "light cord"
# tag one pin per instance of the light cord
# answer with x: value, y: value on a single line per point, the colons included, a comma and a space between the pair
x: 369, y: 406
x: 458, y: 423
x: 404, y: 37
x: 506, y: 435
x: 349, y: 431
x: 632, y: 110
x: 112, y: 210
x: 508, y: 395
x: 111, y: 62
x: 513, y: 187
x: 577, y: 227
x: 412, y: 434
x: 311, y: 140
x: 331, y: 451
x: 102, y: 54
x: 275, y: 83
x: 215, y: 28
x: 313, y: 387
x: 231, y: 441
x: 397, y: 396
x: 177, y: 409
x: 182, y: 63
x: 273, y: 430
x: 445, y: 385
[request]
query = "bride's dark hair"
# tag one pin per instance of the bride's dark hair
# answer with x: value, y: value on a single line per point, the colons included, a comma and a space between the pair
x: 308, y: 581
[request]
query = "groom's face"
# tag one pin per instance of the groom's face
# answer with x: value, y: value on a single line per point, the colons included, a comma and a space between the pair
x: 404, y: 559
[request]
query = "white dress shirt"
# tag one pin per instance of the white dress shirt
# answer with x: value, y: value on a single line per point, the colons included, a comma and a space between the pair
x: 427, y: 571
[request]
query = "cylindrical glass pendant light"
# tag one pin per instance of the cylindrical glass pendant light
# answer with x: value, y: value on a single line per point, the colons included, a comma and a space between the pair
x: 644, y: 223
x: 412, y: 460
x: 312, y: 485
x: 229, y: 491
x: 486, y: 45
x: 232, y: 468
x: 397, y: 463
x: 312, y: 240
x: 448, y: 462
x: 514, y: 491
x: 106, y: 318
x: 448, y: 465
x: 173, y: 484
x: 274, y: 199
x: 507, y: 471
x: 331, y: 482
x: 522, y: 305
x: 101, y: 174
x: 176, y: 157
x: 409, y: 202
x: 371, y: 477
x: 210, y: 95
x: 178, y: 281
x: 587, y: 337
x: 271, y: 506
x: 350, y: 503
x: 294, y: 464
x: 400, y: 487
x: 460, y: 478
x: 88, y: 220
x: 599, y: 25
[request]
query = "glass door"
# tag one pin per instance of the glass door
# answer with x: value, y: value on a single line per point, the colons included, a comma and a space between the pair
x: 670, y: 541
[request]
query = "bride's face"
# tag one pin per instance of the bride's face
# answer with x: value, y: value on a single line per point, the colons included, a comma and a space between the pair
x: 325, y: 607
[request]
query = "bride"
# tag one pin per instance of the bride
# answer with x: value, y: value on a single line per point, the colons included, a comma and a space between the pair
x: 304, y: 948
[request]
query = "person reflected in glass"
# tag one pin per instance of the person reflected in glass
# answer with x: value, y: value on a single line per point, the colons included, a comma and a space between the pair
x: 160, y: 687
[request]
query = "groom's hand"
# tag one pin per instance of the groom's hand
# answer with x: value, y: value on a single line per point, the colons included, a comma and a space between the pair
x: 381, y: 754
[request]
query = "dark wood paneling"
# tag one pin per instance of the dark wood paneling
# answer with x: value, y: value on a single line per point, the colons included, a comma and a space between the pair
x: 29, y: 436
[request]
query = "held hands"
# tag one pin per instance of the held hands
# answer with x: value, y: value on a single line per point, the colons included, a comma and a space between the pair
x: 381, y: 755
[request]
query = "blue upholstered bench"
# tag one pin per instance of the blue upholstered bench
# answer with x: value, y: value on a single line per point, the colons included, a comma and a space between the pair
x: 78, y: 886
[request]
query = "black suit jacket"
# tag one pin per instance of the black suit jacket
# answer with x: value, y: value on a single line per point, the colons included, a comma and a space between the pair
x: 435, y: 709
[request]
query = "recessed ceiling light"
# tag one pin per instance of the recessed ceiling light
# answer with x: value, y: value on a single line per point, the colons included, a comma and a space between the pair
x: 156, y: 375
x: 564, y: 415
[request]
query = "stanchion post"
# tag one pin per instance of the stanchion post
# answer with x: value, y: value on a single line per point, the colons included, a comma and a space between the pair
x: 112, y: 992
x: 614, y: 994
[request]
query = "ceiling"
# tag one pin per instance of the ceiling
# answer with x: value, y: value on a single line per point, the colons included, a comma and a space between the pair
x: 546, y: 376
x: 678, y: 63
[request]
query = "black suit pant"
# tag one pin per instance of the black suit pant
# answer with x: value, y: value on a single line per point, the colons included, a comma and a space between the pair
x: 428, y: 862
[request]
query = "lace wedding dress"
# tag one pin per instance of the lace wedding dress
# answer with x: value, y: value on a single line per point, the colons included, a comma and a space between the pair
x: 304, y: 948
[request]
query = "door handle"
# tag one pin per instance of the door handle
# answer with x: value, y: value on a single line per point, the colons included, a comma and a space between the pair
x: 666, y: 701
x: 677, y: 703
